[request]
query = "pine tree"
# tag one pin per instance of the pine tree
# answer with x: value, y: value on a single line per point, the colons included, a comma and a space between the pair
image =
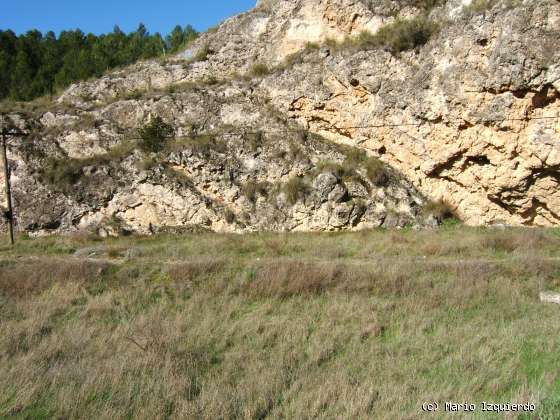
x: 22, y: 75
x: 32, y: 65
x: 50, y: 62
x: 8, y: 41
x: 176, y: 38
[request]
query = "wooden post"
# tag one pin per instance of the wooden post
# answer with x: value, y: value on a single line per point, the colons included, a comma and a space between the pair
x: 10, y: 213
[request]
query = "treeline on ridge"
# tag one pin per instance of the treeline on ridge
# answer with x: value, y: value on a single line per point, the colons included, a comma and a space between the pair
x: 35, y: 64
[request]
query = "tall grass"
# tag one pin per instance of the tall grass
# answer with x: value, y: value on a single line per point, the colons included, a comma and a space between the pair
x: 345, y: 325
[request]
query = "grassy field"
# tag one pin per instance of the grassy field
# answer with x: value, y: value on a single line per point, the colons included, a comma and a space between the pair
x: 346, y: 325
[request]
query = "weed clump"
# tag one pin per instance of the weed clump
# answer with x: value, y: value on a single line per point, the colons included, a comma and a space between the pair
x: 481, y: 6
x: 340, y: 170
x: 252, y: 190
x: 202, y: 145
x: 440, y: 210
x: 401, y: 35
x: 133, y: 94
x: 203, y: 53
x: 425, y: 4
x: 230, y: 216
x: 62, y: 173
x: 376, y: 172
x: 375, y: 169
x: 295, y: 189
x: 259, y: 70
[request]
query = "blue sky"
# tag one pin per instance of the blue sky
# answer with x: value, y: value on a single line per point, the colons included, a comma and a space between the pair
x: 100, y: 16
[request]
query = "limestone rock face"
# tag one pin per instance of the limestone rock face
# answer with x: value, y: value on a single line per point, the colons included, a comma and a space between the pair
x: 472, y: 118
x: 84, y: 169
x: 269, y: 114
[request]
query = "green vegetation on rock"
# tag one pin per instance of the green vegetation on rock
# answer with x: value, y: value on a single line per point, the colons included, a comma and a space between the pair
x: 154, y: 134
x: 401, y: 35
x: 398, y: 36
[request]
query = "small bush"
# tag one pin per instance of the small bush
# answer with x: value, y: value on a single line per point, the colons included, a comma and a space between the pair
x: 344, y: 170
x: 177, y: 175
x: 134, y: 94
x: 154, y: 134
x: 202, y: 145
x: 376, y: 171
x: 333, y: 44
x: 295, y: 189
x: 440, y: 210
x: 356, y: 163
x: 312, y: 46
x: 210, y: 81
x: 404, y: 34
x: 229, y: 216
x: 251, y: 190
x: 146, y: 164
x: 259, y: 70
x: 203, y: 53
x: 295, y: 152
x: 481, y: 6
x: 401, y: 35
x: 255, y: 140
x: 292, y: 59
x: 62, y: 174
x: 115, y: 225
x: 355, y: 156
x: 425, y: 4
x: 120, y: 151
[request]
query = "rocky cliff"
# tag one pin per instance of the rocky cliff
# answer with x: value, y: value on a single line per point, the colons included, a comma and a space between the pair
x: 311, y: 115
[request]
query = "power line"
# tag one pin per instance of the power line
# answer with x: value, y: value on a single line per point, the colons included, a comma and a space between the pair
x: 241, y: 131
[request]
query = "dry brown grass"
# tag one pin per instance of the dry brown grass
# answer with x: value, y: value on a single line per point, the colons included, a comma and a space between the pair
x: 355, y: 325
x: 191, y: 270
x: 38, y: 275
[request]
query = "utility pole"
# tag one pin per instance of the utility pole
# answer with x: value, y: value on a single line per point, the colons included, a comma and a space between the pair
x: 10, y: 212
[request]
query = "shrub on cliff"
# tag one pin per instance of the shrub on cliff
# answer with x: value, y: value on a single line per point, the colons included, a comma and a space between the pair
x: 424, y: 4
x: 203, y: 53
x: 376, y: 172
x: 440, y: 210
x: 252, y: 190
x: 401, y: 35
x: 375, y: 169
x: 481, y: 6
x: 154, y: 134
x: 259, y: 70
x: 295, y: 189
x: 395, y: 5
x: 62, y: 174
